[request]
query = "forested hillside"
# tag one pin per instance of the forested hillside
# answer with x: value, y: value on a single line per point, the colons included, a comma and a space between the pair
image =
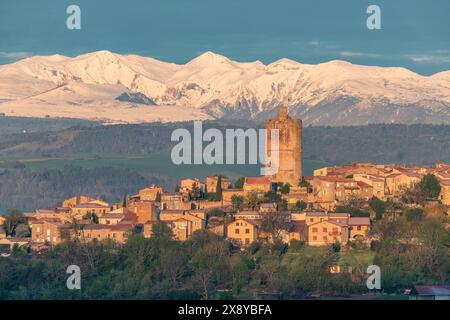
x: 109, y: 161
x: 413, y: 144
x: 32, y: 189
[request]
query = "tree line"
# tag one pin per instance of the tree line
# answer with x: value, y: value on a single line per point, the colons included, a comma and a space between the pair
x: 408, y: 251
x: 381, y: 143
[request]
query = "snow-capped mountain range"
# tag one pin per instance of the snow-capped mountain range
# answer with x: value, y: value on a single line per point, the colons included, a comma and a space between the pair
x: 213, y: 86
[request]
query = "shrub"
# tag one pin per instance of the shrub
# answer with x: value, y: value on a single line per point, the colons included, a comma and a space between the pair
x: 336, y: 246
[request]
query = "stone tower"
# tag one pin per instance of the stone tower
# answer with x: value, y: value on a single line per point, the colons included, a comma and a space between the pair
x: 290, y: 147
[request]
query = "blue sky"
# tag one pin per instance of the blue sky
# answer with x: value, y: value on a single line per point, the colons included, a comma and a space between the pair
x: 415, y: 33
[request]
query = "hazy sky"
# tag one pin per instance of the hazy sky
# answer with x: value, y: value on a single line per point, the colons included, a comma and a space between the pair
x: 415, y: 33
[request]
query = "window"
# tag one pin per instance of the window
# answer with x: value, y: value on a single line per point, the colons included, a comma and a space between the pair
x: 314, y: 229
x: 311, y: 219
x: 247, y: 241
x: 335, y: 230
x: 324, y: 229
x: 325, y: 238
x: 247, y: 231
x: 359, y: 228
x: 236, y: 231
x: 314, y: 238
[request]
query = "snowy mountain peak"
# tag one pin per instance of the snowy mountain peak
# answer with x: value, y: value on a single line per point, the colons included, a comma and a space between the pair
x: 208, y: 58
x: 99, y: 54
x: 99, y: 57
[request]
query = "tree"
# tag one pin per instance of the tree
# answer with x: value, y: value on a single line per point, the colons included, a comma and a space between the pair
x: 12, y: 219
x: 314, y: 272
x: 392, y: 207
x: 272, y: 196
x: 23, y: 231
x: 174, y: 261
x: 430, y: 187
x: 353, y: 205
x: 91, y: 216
x: 240, y: 271
x: 195, y: 191
x: 219, y: 188
x: 239, y: 184
x: 336, y: 246
x: 158, y: 197
x: 305, y: 184
x: 300, y: 206
x: 216, y: 213
x: 252, y: 199
x: 400, y: 257
x: 284, y: 187
x: 210, y: 261
x: 379, y: 206
x: 237, y: 201
x: 412, y: 194
x: 161, y: 231
x: 209, y: 196
x: 275, y: 224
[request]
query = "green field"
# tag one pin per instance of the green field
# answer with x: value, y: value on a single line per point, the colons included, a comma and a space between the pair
x: 156, y: 163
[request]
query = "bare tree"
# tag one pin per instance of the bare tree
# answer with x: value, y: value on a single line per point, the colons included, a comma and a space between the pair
x: 12, y: 219
x: 275, y: 223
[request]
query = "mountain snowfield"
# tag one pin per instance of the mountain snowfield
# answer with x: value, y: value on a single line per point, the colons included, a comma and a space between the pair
x: 213, y: 86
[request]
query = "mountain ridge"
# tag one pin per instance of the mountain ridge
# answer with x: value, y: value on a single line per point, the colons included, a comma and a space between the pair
x: 336, y: 92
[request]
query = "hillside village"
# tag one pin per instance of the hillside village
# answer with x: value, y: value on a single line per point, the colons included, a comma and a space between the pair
x: 336, y: 205
x: 250, y: 209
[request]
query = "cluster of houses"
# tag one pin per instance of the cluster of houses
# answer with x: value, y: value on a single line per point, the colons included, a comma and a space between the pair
x: 187, y: 211
x: 334, y: 185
